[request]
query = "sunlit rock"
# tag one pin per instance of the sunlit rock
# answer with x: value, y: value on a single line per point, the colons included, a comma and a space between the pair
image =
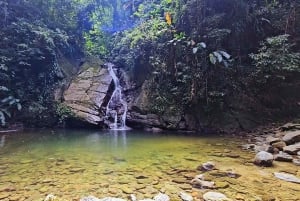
x: 263, y: 158
x: 200, y: 182
x: 292, y: 137
x: 206, y: 166
x: 287, y: 177
x: 161, y: 197
x: 271, y: 140
x: 279, y: 145
x: 51, y: 197
x: 292, y: 149
x: 185, y: 197
x: 88, y: 91
x: 281, y: 156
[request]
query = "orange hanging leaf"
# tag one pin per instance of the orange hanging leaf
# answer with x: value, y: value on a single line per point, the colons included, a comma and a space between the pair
x: 168, y: 18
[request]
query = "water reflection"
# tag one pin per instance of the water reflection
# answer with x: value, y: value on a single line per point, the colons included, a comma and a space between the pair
x: 2, y: 141
x: 119, y: 138
x: 114, y: 138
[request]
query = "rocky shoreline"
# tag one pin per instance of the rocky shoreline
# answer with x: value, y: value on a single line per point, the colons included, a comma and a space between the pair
x: 213, y: 180
x: 279, y: 144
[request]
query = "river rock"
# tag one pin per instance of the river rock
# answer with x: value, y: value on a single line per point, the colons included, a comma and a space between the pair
x: 87, y: 92
x: 292, y: 137
x: 263, y: 158
x: 161, y: 197
x: 185, y: 197
x: 77, y: 170
x: 111, y: 199
x: 215, y: 196
x: 249, y: 147
x: 289, y: 126
x: 292, y: 149
x: 51, y: 197
x: 208, y: 166
x: 287, y: 177
x: 203, y: 184
x: 89, y: 198
x: 271, y: 140
x: 283, y: 157
x: 126, y: 189
x: 279, y: 145
x: 296, y: 162
x: 4, y: 195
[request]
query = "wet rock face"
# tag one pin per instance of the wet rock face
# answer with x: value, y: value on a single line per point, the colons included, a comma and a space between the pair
x: 88, y: 92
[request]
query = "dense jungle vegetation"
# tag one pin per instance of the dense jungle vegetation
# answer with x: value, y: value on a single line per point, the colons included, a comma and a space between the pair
x: 198, y: 56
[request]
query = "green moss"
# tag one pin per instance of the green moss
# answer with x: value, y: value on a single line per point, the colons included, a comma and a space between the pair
x: 63, y: 112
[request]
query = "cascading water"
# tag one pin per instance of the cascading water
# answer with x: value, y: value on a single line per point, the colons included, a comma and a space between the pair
x: 116, y: 109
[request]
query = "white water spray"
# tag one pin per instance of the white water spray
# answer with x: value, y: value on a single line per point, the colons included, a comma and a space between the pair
x: 117, y: 107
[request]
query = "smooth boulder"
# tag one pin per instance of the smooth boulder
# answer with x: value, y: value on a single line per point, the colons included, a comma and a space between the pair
x: 263, y: 158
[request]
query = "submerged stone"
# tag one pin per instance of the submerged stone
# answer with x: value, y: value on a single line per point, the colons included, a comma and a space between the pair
x: 4, y: 195
x: 206, y: 166
x: 201, y: 183
x: 287, y: 177
x: 296, y: 162
x: 215, y: 196
x: 89, y: 198
x: 111, y: 199
x: 185, y: 197
x: 161, y: 197
x: 92, y: 198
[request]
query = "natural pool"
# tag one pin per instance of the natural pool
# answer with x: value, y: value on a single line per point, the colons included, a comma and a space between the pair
x: 71, y: 164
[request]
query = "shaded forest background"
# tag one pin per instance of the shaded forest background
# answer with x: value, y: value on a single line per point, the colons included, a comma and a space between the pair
x: 208, y: 58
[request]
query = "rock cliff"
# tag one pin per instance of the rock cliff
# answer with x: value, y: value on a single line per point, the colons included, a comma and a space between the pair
x: 88, y: 91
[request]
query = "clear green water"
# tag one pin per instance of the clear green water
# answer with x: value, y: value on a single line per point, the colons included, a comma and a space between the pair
x: 72, y: 164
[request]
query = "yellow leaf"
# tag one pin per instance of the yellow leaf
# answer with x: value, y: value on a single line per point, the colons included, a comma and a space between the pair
x: 168, y: 18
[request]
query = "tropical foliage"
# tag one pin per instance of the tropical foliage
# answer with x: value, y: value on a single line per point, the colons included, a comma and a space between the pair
x: 195, y: 54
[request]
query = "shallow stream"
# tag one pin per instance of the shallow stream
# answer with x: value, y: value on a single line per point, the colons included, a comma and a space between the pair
x: 71, y: 164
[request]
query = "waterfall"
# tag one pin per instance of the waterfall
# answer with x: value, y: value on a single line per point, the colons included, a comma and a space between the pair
x: 116, y: 109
